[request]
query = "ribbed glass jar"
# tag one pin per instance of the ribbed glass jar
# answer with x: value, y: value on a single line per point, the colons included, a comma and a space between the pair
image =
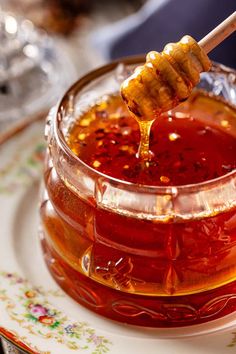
x: 145, y: 255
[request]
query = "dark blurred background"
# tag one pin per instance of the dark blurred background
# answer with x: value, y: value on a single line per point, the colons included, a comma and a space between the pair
x: 155, y: 23
x: 174, y: 19
x: 64, y: 16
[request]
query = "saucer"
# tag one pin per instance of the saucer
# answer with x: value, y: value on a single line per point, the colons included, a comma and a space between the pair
x: 35, y: 314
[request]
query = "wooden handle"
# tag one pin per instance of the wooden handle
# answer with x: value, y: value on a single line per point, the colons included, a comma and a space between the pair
x: 218, y: 34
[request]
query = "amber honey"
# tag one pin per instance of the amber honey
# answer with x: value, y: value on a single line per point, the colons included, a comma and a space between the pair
x: 182, y: 151
x: 147, y: 271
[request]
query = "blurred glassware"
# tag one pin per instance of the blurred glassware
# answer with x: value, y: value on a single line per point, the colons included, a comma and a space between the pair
x: 64, y: 16
x: 55, y: 16
x: 34, y: 71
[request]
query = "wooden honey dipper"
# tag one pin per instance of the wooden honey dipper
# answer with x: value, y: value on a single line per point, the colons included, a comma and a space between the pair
x: 168, y: 78
x: 219, y: 33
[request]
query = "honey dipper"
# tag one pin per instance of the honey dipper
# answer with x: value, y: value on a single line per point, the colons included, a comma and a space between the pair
x: 167, y: 78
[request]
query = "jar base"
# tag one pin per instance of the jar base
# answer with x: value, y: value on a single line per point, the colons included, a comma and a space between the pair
x: 140, y: 310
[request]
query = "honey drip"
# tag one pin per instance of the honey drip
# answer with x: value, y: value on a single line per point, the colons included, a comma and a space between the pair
x: 143, y: 151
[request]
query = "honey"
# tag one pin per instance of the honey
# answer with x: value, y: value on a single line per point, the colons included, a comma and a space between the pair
x: 147, y: 240
x: 181, y: 150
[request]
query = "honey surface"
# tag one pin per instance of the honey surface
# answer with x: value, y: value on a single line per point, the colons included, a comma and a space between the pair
x: 183, y: 148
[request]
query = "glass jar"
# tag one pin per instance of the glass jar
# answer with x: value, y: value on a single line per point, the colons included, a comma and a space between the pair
x: 144, y: 255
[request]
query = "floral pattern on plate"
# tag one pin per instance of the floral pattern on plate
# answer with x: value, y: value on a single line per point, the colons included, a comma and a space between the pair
x: 22, y: 168
x: 29, y: 307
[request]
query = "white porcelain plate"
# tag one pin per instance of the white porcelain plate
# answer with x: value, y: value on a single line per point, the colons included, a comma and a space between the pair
x: 34, y: 313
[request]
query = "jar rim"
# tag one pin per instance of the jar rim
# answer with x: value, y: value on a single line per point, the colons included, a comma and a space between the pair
x: 87, y: 78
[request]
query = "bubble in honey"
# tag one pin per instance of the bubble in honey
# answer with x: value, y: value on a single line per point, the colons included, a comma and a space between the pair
x: 224, y: 123
x: 84, y: 122
x: 103, y: 106
x: 125, y: 130
x: 127, y: 148
x: 164, y: 179
x: 82, y: 136
x: 114, y: 115
x: 96, y: 163
x: 173, y: 136
x: 182, y: 115
x: 169, y: 113
x: 124, y: 147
